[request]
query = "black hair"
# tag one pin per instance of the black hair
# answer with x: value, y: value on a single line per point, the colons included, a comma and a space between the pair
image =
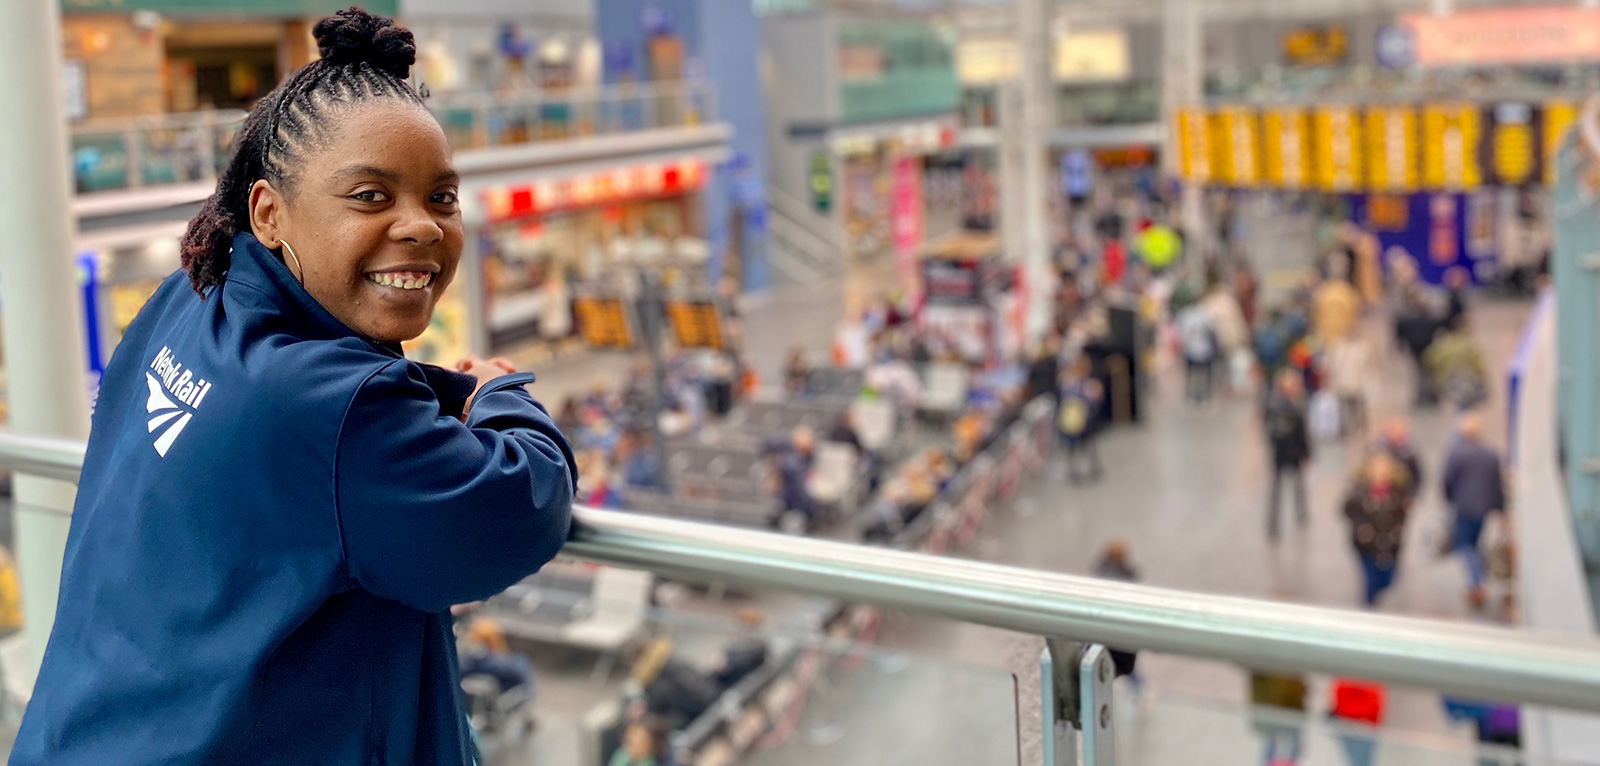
x: 364, y: 57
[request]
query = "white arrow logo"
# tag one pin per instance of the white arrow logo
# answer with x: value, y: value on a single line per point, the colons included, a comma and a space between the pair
x: 163, y: 411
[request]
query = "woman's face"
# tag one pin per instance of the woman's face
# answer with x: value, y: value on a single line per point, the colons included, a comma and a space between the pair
x: 372, y: 217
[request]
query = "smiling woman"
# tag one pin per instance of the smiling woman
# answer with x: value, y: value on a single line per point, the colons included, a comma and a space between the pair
x: 277, y: 509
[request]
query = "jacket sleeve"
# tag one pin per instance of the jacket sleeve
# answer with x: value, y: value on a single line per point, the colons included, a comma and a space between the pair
x: 1452, y: 470
x: 434, y: 511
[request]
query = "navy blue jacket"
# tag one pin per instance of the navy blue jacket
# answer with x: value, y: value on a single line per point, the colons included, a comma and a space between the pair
x: 274, y: 518
x: 1472, y: 482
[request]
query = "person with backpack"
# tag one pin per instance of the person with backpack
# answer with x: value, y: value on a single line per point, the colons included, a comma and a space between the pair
x: 1080, y: 400
x: 1271, y: 341
x: 1287, y: 434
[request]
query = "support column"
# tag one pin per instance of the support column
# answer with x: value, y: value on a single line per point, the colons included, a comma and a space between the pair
x: 1182, y: 84
x: 40, y: 311
x: 1037, y: 115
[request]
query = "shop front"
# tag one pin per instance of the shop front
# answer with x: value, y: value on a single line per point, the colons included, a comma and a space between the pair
x: 900, y: 186
x: 546, y: 241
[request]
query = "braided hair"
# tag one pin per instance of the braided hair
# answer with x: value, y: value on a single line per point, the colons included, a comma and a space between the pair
x: 364, y: 57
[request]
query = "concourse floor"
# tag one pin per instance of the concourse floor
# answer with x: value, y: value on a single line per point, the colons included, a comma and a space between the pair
x: 1187, y: 490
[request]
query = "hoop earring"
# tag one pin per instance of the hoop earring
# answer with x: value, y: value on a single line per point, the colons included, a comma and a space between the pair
x: 301, y: 277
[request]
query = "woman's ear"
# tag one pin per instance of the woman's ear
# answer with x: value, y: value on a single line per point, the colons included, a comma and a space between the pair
x: 266, y: 206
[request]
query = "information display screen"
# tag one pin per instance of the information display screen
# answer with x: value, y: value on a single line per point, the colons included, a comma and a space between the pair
x: 1234, y: 139
x: 695, y: 323
x: 1451, y: 133
x: 1336, y: 154
x: 603, y: 321
x: 1391, y: 147
x: 1286, y: 138
x: 1556, y: 117
x: 1513, y: 147
x: 1194, y: 145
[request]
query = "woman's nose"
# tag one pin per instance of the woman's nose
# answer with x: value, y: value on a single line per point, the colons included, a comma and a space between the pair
x: 417, y: 226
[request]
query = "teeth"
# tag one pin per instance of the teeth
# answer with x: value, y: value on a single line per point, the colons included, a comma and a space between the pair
x: 404, y: 280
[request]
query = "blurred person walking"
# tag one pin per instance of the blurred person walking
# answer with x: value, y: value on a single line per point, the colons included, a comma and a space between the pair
x: 1357, y: 710
x: 1376, y: 509
x: 1347, y: 366
x: 1197, y: 340
x: 1395, y: 441
x: 1456, y: 367
x: 278, y: 509
x: 1285, y: 419
x: 1114, y: 565
x: 1081, y: 397
x: 1474, y: 486
x: 1415, y: 328
x: 1335, y: 307
x: 1278, y: 707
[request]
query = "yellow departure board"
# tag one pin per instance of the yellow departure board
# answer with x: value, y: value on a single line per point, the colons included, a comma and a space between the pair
x: 1450, y: 136
x: 1557, y: 117
x: 1336, y: 154
x: 1286, y: 142
x: 1193, y: 141
x: 695, y: 324
x: 603, y: 321
x: 1236, y: 146
x: 1513, y: 144
x: 1391, y: 148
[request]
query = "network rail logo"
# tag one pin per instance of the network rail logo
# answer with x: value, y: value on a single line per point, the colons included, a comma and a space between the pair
x: 168, y: 381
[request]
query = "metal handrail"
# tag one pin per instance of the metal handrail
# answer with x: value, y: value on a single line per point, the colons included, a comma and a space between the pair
x: 1488, y: 662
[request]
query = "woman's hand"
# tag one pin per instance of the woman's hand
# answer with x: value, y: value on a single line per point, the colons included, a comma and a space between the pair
x: 484, y: 371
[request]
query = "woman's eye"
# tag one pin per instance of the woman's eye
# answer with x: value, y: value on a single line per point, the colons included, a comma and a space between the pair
x: 444, y: 198
x: 370, y: 195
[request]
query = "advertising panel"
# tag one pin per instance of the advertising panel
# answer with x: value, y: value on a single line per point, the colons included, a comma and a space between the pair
x: 1451, y: 133
x: 1337, y: 161
x: 1476, y: 37
x: 1391, y: 148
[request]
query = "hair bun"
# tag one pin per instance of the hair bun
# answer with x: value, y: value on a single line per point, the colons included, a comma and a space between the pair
x: 353, y: 36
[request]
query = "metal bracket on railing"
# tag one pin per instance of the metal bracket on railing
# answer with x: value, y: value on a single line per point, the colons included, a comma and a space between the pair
x: 1077, y: 703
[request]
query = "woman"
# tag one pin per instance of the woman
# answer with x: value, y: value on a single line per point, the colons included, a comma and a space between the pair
x: 277, y: 510
x: 1376, y: 510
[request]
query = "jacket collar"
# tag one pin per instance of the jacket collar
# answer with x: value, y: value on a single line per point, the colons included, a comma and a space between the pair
x: 252, y: 264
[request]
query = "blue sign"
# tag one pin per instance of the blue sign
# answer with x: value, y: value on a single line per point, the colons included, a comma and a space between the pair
x: 1395, y: 46
x: 655, y: 21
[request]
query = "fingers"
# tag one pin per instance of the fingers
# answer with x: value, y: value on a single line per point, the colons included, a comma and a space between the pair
x: 503, y: 363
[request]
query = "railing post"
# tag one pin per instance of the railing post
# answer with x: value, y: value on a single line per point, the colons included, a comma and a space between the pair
x: 1075, y: 679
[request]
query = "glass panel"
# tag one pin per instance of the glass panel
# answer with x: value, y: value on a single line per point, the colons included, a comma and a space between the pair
x: 1166, y: 729
x: 717, y: 678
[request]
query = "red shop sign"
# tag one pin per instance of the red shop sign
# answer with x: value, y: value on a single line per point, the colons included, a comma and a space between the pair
x: 587, y: 190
